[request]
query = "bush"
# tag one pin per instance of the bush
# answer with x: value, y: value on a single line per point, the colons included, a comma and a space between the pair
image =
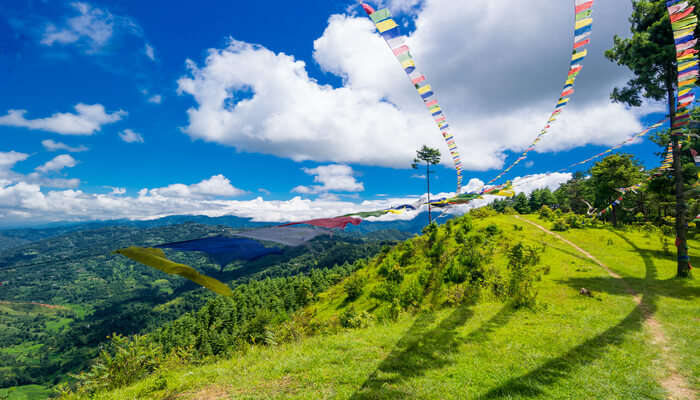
x: 492, y: 230
x: 509, y: 211
x: 521, y: 262
x: 462, y: 294
x: 352, y: 319
x: 354, y: 286
x: 483, y: 212
x: 386, y: 291
x: 560, y: 225
x: 412, y: 294
x: 128, y: 360
x: 546, y: 213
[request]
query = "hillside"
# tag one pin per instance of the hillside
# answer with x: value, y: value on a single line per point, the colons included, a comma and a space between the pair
x: 62, y: 296
x: 465, y: 311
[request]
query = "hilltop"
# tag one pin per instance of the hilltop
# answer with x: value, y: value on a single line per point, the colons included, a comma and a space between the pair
x: 484, y: 307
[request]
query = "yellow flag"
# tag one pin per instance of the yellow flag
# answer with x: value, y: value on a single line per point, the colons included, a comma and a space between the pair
x: 155, y: 258
x: 386, y: 25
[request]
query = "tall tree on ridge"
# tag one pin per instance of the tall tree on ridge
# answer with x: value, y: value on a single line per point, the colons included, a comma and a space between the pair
x: 430, y: 157
x: 651, y: 55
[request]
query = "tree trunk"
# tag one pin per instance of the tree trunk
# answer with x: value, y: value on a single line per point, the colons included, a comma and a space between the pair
x: 683, y: 270
x: 613, y: 214
x: 427, y: 178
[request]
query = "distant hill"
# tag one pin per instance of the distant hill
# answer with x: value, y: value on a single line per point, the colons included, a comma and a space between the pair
x: 105, y: 293
x: 10, y: 238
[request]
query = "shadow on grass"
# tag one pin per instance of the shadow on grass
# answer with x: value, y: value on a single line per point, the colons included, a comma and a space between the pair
x: 534, y: 383
x: 420, y: 349
x: 423, y: 349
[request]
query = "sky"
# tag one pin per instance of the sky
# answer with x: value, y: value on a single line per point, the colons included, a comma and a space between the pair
x: 280, y: 111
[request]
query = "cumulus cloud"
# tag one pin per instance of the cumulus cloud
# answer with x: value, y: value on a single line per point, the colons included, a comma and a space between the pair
x: 10, y: 177
x: 332, y: 178
x: 58, y: 163
x: 130, y: 136
x: 495, y: 105
x: 217, y: 185
x: 87, y: 120
x: 51, y: 145
x: 25, y: 202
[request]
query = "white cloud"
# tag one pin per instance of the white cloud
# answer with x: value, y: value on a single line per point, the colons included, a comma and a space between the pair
x: 150, y: 53
x: 58, y: 163
x: 551, y: 181
x: 51, y: 145
x: 155, y: 99
x: 332, y: 178
x: 24, y: 202
x: 9, y: 159
x: 117, y: 191
x: 9, y: 177
x: 87, y: 120
x: 376, y: 117
x: 217, y: 185
x: 92, y: 28
x: 130, y: 136
x: 93, y: 25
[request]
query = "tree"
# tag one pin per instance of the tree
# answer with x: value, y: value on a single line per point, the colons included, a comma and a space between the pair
x: 613, y: 172
x: 575, y: 195
x: 430, y: 157
x: 521, y: 204
x: 651, y: 56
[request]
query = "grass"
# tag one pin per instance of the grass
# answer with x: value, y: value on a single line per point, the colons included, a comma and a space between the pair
x: 572, y: 347
x: 640, y: 259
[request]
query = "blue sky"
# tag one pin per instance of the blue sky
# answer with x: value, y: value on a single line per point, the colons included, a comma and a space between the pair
x: 331, y: 120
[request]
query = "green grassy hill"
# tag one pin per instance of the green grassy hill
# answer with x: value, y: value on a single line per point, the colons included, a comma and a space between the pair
x: 460, y: 313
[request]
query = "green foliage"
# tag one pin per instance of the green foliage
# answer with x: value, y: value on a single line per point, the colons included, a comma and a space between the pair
x: 354, y: 286
x: 386, y: 291
x: 546, y: 213
x: 521, y: 203
x: 482, y: 212
x: 521, y: 262
x: 412, y: 293
x: 560, y: 225
x: 492, y: 230
x: 352, y: 319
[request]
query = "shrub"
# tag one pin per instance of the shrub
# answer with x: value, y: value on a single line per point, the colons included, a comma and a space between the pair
x: 483, y: 212
x: 509, y: 211
x: 386, y: 291
x: 462, y: 294
x: 492, y: 230
x: 412, y: 294
x: 354, y: 286
x: 389, y: 312
x: 546, y: 213
x: 395, y: 274
x: 560, y: 225
x: 521, y: 262
x: 352, y: 319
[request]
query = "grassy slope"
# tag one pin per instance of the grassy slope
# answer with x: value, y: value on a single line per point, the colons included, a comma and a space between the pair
x: 648, y: 269
x: 578, y: 347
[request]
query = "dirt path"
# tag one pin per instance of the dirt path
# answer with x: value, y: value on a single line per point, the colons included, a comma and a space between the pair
x: 675, y: 383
